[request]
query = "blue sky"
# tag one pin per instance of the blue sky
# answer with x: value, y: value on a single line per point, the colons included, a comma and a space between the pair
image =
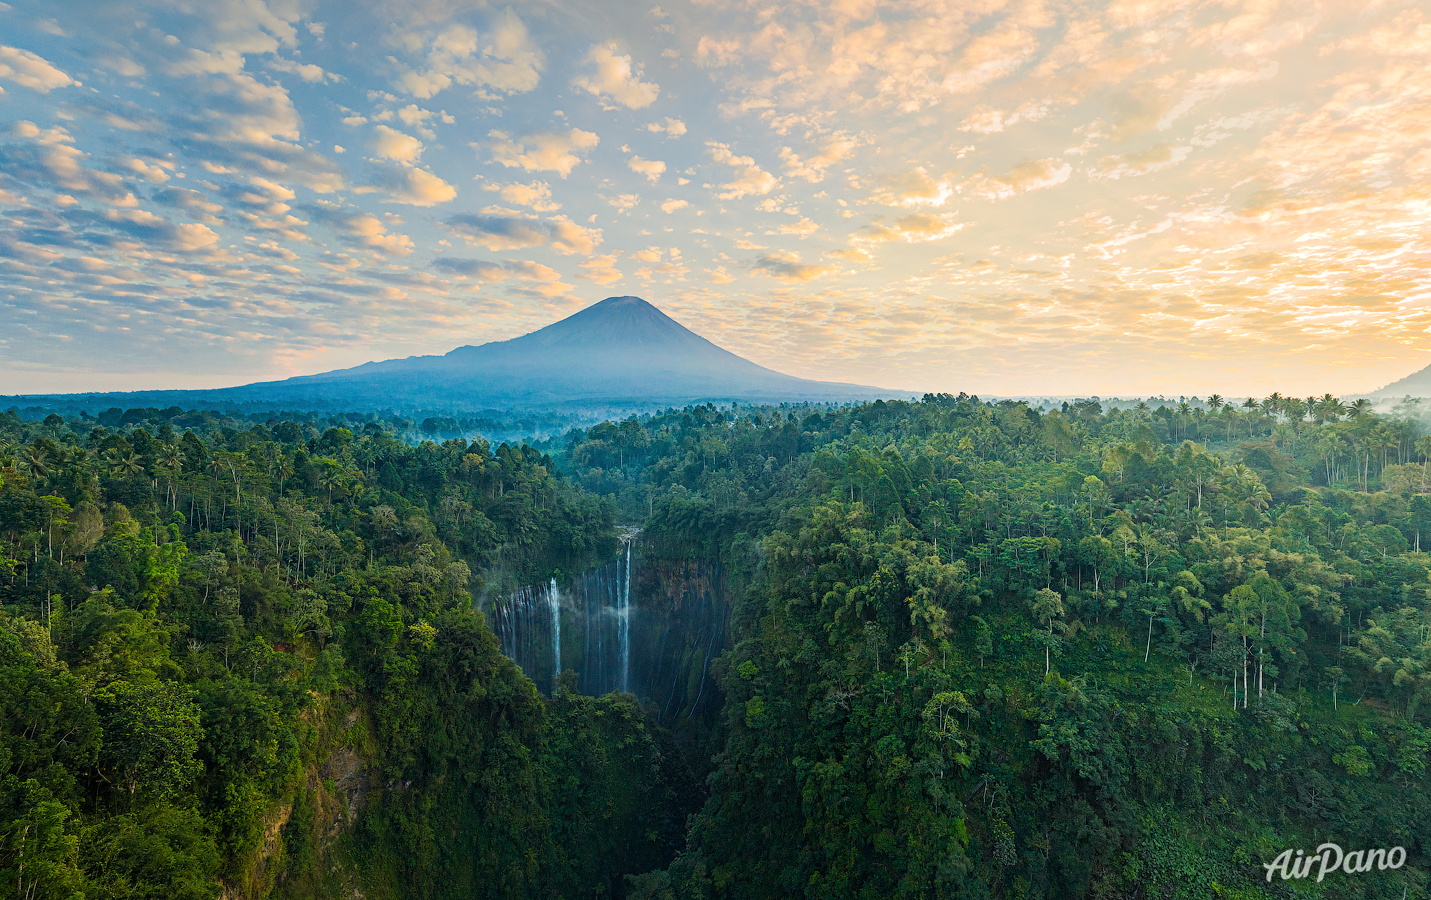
x: 1004, y: 198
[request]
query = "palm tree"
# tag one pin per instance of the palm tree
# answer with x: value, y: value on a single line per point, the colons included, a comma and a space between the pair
x: 331, y: 478
x: 1215, y: 402
x: 1326, y: 408
x: 127, y: 464
x: 173, y: 461
x: 282, y: 468
x: 1272, y: 405
x: 35, y: 460
x: 1251, y: 406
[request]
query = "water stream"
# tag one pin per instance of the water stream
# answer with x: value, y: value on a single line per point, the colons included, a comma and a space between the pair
x: 652, y: 630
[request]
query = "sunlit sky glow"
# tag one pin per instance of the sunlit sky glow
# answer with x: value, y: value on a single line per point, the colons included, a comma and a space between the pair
x: 1003, y: 198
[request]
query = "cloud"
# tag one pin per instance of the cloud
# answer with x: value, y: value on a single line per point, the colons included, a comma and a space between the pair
x: 306, y: 71
x: 803, y: 228
x: 413, y: 115
x: 1025, y: 177
x: 749, y: 179
x: 911, y: 189
x: 832, y: 151
x: 913, y: 229
x: 1127, y: 165
x: 547, y: 280
x: 542, y: 151
x: 599, y: 269
x: 850, y: 254
x: 154, y: 173
x: 569, y: 238
x: 623, y: 201
x: 984, y: 120
x: 192, y: 236
x: 651, y: 168
x: 145, y: 226
x: 31, y: 71
x: 715, y: 52
x: 536, y: 195
x: 496, y: 232
x: 671, y: 206
x: 505, y: 59
x: 786, y: 266
x: 391, y: 144
x: 413, y: 186
x: 614, y: 78
x: 365, y: 229
x: 672, y: 127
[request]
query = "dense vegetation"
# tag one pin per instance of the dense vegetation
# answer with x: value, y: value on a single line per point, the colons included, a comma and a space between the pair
x: 217, y: 648
x: 994, y: 651
x: 976, y: 650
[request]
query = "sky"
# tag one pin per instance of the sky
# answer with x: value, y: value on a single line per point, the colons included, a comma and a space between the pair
x: 1080, y: 198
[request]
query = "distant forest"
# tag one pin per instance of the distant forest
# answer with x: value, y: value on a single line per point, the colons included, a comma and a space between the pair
x: 975, y: 649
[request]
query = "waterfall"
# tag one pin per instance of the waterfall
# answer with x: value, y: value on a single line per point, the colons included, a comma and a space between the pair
x: 655, y: 634
x: 554, y: 602
x: 623, y: 623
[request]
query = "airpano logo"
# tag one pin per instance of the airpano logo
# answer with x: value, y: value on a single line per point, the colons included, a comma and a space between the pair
x: 1329, y: 858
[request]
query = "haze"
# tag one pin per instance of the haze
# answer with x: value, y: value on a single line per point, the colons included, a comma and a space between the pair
x: 1015, y: 198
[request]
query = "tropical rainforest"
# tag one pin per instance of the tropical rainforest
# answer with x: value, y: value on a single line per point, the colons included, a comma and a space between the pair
x: 973, y: 649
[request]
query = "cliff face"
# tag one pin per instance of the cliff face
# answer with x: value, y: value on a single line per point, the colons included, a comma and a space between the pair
x: 649, y: 627
x: 303, y: 852
x: 678, y: 630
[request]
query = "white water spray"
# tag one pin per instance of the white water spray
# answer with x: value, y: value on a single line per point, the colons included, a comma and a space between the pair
x: 554, y: 602
x: 623, y: 623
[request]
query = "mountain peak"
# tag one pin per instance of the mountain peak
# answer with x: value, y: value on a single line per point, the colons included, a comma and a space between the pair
x: 620, y: 350
x: 615, y: 322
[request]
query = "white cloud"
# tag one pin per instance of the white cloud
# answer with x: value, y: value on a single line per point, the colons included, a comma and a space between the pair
x: 31, y: 71
x: 786, y: 266
x: 623, y: 201
x: 615, y: 78
x: 194, y: 237
x: 802, y: 228
x: 569, y: 238
x: 1127, y: 165
x: 714, y: 52
x: 412, y: 115
x: 749, y: 178
x: 911, y: 189
x: 542, y: 151
x: 1025, y: 177
x: 672, y: 205
x: 651, y: 168
x: 537, y: 195
x: 832, y: 151
x: 306, y: 71
x: 151, y: 172
x: 600, y: 269
x: 497, y: 232
x: 413, y: 186
x: 912, y: 229
x: 498, y: 229
x: 505, y: 59
x: 393, y: 144
x: 672, y: 127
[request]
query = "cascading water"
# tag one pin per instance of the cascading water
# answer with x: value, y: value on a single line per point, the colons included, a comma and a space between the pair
x: 623, y: 623
x: 554, y: 603
x: 528, y: 626
x: 653, y: 631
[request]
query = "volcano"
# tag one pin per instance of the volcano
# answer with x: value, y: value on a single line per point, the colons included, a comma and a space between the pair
x: 621, y: 353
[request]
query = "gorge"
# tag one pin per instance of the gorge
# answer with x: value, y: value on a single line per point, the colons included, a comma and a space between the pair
x: 649, y: 627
